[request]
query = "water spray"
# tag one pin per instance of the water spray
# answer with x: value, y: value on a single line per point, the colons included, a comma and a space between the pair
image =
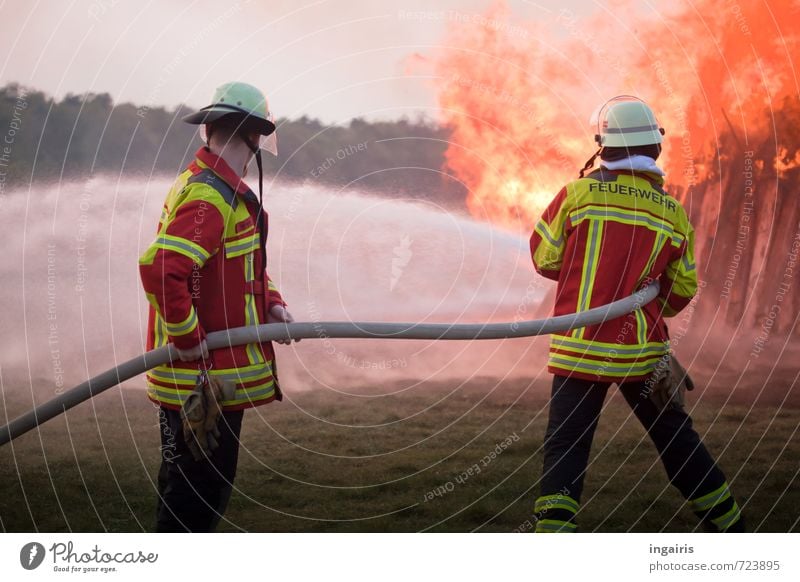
x: 332, y: 329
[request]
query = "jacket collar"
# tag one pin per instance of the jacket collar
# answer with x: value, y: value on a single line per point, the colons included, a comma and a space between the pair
x: 636, y: 165
x: 206, y: 158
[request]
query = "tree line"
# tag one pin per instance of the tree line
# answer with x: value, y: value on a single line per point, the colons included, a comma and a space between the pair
x: 83, y: 134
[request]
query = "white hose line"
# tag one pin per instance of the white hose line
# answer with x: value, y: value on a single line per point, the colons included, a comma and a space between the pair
x: 324, y: 329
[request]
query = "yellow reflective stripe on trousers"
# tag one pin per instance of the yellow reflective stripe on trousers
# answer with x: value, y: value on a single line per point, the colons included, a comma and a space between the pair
x: 709, y: 500
x: 590, y: 262
x: 242, y: 246
x: 556, y: 501
x: 723, y: 522
x: 254, y: 354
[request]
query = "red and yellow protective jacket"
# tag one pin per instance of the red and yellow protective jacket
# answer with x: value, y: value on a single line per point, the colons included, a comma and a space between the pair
x: 603, y: 238
x: 203, y: 273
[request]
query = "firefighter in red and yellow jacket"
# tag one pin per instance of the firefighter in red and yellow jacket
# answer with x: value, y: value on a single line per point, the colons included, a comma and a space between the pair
x: 206, y: 271
x: 602, y: 238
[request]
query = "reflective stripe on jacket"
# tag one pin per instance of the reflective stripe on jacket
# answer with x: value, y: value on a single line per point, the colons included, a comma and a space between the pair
x: 203, y: 273
x: 602, y: 238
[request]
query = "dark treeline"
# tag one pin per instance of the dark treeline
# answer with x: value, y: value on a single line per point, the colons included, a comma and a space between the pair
x: 46, y: 139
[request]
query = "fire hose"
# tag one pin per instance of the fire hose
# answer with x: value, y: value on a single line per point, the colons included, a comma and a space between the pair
x: 324, y: 330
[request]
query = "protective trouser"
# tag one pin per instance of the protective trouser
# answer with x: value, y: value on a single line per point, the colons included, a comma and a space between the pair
x: 575, y: 407
x: 193, y: 495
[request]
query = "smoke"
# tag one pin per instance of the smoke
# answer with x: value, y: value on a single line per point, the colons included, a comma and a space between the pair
x: 73, y: 305
x: 517, y: 97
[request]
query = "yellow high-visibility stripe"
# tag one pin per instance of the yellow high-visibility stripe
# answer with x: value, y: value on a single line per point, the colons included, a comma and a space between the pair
x: 254, y: 354
x: 171, y: 375
x: 709, y: 500
x: 589, y: 270
x: 556, y: 501
x: 241, y: 396
x: 176, y: 244
x: 723, y: 522
x: 242, y: 246
x: 184, y: 327
x: 188, y: 377
x: 160, y: 332
x: 253, y: 394
x: 544, y: 231
x: 615, y: 214
x: 599, y: 344
x: 598, y: 363
x: 623, y: 352
x: 249, y: 268
x: 641, y: 326
x: 603, y: 368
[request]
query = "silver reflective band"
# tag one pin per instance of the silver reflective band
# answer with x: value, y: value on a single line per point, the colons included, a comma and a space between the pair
x: 630, y: 129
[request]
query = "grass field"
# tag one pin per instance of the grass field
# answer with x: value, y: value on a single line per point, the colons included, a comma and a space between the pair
x: 324, y: 461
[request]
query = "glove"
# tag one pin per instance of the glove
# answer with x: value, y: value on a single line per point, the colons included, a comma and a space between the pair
x: 201, y: 412
x: 670, y: 383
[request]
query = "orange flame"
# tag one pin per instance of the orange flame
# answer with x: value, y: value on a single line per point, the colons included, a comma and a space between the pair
x: 518, y: 95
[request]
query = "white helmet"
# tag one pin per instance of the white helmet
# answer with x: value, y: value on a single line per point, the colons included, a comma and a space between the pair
x: 626, y: 121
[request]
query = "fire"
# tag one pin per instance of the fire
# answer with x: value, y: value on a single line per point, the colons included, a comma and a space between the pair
x: 518, y: 94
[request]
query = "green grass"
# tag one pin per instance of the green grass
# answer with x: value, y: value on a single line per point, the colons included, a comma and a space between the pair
x: 323, y: 461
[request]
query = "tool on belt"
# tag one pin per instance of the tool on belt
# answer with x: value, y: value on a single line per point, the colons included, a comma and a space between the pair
x: 201, y: 413
x: 670, y: 383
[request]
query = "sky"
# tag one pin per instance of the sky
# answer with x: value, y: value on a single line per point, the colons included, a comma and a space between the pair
x: 330, y: 59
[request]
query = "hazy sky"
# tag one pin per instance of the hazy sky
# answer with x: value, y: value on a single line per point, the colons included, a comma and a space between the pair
x: 332, y: 59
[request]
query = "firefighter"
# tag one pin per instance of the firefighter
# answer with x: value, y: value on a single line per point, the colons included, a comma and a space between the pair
x: 206, y: 271
x: 603, y: 237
